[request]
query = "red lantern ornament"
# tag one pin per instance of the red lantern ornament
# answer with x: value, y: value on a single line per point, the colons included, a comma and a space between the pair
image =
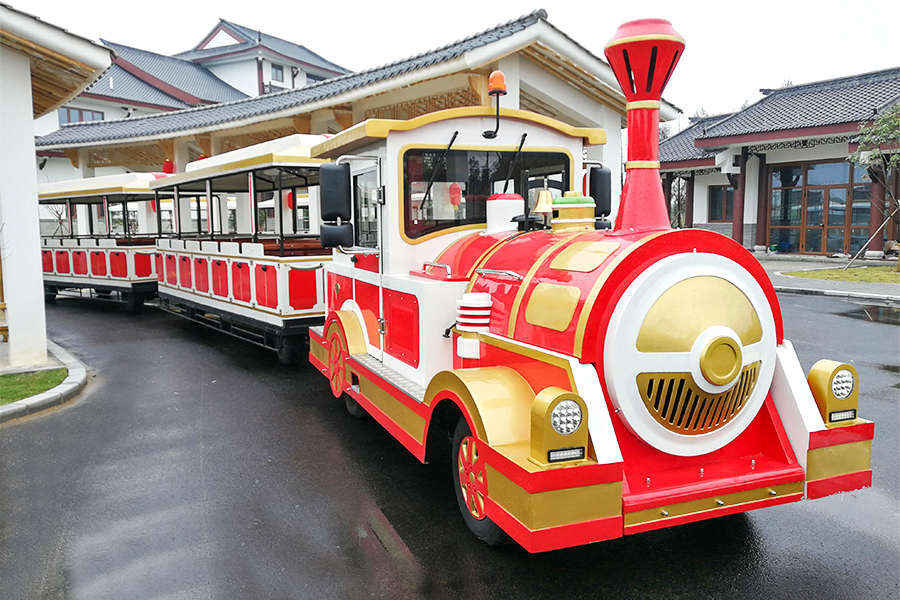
x: 288, y: 199
x: 455, y: 194
x: 168, y: 167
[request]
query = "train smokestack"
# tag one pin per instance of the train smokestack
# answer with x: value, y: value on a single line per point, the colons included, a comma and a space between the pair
x: 643, y: 55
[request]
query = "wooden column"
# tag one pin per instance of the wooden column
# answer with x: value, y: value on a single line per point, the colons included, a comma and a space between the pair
x: 763, y: 198
x: 689, y: 201
x: 737, y: 225
x: 876, y: 212
x: 667, y: 193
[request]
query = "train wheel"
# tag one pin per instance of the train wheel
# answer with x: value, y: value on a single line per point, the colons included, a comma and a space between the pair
x: 353, y: 407
x: 290, y: 349
x: 134, y: 302
x: 337, y: 354
x: 470, y: 481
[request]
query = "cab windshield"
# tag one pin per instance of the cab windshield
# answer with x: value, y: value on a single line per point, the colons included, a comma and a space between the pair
x: 462, y: 182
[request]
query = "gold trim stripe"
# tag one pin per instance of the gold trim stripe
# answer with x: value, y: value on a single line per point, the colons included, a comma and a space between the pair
x: 646, y: 38
x: 711, y: 504
x: 642, y: 164
x: 832, y: 461
x: 652, y: 104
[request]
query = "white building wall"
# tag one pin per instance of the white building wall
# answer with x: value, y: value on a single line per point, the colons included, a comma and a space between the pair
x: 240, y: 74
x: 20, y: 240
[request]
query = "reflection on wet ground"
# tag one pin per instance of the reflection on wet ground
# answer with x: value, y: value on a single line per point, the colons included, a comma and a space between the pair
x: 889, y: 315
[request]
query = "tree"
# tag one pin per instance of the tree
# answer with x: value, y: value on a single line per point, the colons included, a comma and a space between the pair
x: 879, y: 153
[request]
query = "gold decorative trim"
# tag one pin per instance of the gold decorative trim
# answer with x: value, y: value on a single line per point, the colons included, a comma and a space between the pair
x: 652, y: 37
x: 832, y: 461
x: 712, y: 504
x: 651, y: 104
x: 532, y: 353
x: 583, y: 257
x: 641, y: 164
x: 552, y: 306
x: 399, y: 413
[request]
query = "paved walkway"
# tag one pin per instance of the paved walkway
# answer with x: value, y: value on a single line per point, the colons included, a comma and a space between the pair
x: 775, y: 265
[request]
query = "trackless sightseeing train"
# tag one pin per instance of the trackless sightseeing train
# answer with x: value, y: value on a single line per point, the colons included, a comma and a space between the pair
x: 585, y: 381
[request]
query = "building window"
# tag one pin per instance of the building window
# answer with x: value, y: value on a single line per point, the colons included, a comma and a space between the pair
x: 810, y: 212
x: 68, y: 114
x: 721, y: 204
x: 277, y: 73
x: 313, y: 78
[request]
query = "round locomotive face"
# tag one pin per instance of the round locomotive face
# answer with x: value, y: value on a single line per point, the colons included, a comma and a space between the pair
x: 689, y: 354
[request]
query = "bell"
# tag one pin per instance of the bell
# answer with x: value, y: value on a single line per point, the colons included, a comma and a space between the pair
x: 544, y: 203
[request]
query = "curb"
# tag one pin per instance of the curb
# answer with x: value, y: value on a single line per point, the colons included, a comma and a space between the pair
x: 892, y: 300
x: 71, y: 386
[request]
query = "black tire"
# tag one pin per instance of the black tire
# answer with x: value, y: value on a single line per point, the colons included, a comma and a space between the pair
x: 354, y: 407
x: 49, y: 293
x: 290, y: 349
x: 484, y: 529
x: 134, y: 302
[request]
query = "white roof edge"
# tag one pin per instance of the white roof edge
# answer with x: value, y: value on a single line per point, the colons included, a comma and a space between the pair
x: 102, y: 182
x: 56, y: 38
x: 270, y: 147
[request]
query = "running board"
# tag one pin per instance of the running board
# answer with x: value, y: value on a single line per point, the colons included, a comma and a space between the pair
x: 390, y: 376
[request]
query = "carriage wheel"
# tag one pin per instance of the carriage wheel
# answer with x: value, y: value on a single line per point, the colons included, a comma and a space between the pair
x: 471, y: 486
x: 337, y: 354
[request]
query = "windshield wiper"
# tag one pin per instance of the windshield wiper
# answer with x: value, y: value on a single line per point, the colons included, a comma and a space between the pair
x: 514, y: 162
x: 437, y: 167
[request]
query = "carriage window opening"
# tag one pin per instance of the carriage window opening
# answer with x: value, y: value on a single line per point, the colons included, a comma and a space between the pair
x: 365, y: 195
x: 464, y: 181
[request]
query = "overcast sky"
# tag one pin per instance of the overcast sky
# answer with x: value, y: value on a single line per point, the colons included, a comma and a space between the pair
x: 729, y: 56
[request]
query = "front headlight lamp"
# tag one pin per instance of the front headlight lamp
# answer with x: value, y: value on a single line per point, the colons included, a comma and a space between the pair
x: 842, y: 385
x: 566, y: 417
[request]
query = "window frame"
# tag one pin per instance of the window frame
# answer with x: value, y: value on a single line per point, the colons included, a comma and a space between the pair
x: 725, y: 203
x: 69, y: 110
x: 279, y: 69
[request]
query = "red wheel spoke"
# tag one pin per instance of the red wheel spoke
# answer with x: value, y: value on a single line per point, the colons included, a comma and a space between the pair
x: 471, y: 477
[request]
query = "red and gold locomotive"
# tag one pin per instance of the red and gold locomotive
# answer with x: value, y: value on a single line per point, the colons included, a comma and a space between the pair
x: 592, y: 381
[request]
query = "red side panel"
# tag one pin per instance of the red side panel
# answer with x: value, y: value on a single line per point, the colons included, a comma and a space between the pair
x: 302, y: 289
x: 47, y: 258
x: 79, y: 262
x: 201, y: 274
x: 118, y: 264
x: 62, y: 261
x: 367, y: 262
x: 160, y: 271
x: 171, y: 269
x: 401, y: 338
x: 367, y: 299
x: 338, y: 289
x: 184, y: 272
x: 98, y: 263
x: 840, y: 483
x: 220, y: 278
x: 143, y: 265
x: 266, y: 286
x: 240, y: 278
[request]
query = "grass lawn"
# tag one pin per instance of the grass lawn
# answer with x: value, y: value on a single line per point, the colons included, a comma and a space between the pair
x: 856, y: 274
x: 22, y: 385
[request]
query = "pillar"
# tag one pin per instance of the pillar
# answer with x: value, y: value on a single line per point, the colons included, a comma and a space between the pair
x: 876, y: 216
x: 763, y: 198
x: 667, y: 192
x: 689, y: 201
x: 20, y: 235
x: 737, y: 224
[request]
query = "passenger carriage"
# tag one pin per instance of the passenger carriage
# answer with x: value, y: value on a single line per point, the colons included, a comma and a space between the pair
x: 245, y: 256
x: 103, y: 238
x: 585, y: 382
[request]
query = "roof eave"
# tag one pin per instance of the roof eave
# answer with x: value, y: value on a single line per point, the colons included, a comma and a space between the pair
x: 772, y: 136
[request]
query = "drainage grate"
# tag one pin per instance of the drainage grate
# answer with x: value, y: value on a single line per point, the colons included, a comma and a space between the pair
x: 679, y: 405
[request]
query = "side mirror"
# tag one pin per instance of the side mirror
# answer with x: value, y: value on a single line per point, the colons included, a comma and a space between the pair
x: 334, y: 192
x: 600, y: 189
x: 332, y: 236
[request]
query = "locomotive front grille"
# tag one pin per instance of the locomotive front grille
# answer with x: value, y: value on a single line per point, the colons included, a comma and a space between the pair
x: 678, y: 404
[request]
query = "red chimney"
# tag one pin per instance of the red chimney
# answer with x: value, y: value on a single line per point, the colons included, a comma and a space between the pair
x: 643, y: 55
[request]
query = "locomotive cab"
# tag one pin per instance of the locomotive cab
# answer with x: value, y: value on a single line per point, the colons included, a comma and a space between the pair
x: 595, y: 382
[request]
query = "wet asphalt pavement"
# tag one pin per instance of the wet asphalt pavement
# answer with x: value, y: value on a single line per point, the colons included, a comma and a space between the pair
x: 194, y: 467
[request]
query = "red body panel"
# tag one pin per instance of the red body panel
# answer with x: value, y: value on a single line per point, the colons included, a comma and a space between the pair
x: 401, y: 338
x: 266, y: 286
x: 98, y: 263
x: 143, y: 265
x: 118, y: 264
x: 184, y: 272
x: 160, y: 270
x: 47, y: 260
x: 302, y: 289
x: 366, y: 297
x: 171, y: 269
x: 240, y: 281
x: 201, y: 275
x: 366, y: 262
x: 62, y: 261
x: 220, y: 278
x: 339, y: 289
x: 79, y: 262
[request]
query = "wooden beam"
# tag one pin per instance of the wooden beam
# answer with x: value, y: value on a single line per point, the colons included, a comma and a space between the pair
x: 168, y: 148
x: 301, y: 123
x: 479, y: 86
x: 344, y: 119
x: 204, y: 140
x: 72, y: 155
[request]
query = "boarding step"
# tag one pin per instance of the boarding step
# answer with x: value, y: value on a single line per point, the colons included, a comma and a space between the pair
x: 407, y: 386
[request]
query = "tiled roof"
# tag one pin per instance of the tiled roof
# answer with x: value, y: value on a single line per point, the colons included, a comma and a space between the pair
x: 208, y: 116
x: 253, y: 38
x: 182, y: 74
x: 680, y: 147
x: 119, y: 84
x: 836, y: 101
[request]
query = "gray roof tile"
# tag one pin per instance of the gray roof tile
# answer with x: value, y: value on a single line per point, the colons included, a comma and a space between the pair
x: 680, y: 147
x: 118, y: 84
x: 182, y: 74
x: 836, y: 101
x: 218, y: 114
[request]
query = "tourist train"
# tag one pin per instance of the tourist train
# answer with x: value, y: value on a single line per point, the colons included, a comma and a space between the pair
x: 461, y: 280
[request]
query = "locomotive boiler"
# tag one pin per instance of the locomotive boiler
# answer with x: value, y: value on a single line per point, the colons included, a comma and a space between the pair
x: 584, y: 381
